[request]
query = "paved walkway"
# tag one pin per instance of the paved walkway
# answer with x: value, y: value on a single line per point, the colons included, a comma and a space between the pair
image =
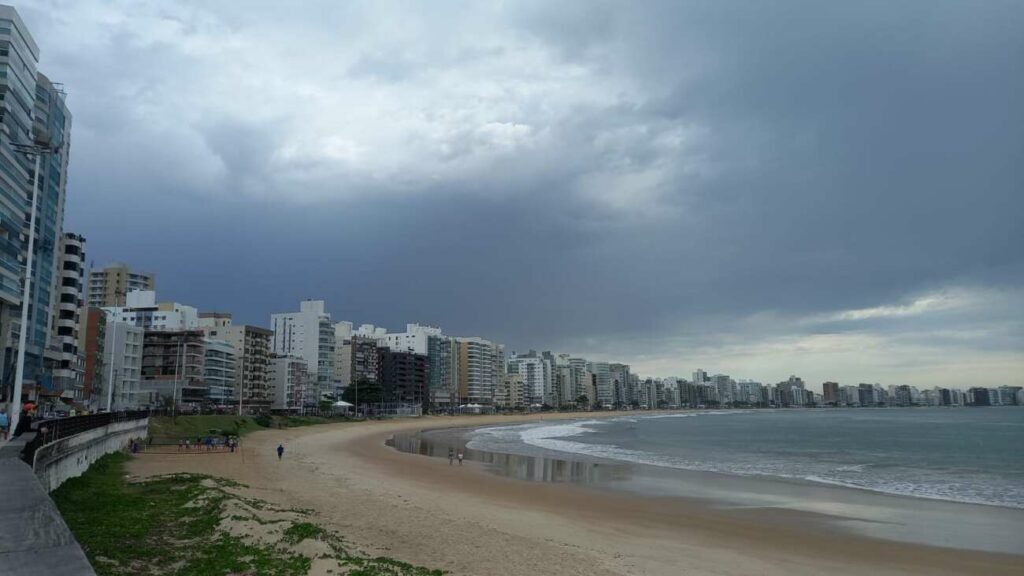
x: 34, y: 540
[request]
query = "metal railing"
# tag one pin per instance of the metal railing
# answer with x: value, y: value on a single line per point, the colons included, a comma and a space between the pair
x: 56, y: 428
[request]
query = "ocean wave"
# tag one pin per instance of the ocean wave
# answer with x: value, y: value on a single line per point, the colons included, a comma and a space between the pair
x: 558, y: 437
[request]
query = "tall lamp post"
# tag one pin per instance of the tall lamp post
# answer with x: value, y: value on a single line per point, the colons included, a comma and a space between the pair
x: 37, y: 150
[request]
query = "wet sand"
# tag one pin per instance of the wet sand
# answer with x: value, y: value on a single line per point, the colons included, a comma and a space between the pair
x: 468, y: 521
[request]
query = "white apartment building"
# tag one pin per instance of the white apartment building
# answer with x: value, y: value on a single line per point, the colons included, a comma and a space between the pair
x: 142, y: 310
x: 310, y: 335
x: 120, y: 380
x: 69, y: 371
x: 602, y: 383
x: 414, y: 339
x: 481, y: 368
x: 219, y: 366
x: 289, y: 381
x: 535, y: 372
x: 252, y: 358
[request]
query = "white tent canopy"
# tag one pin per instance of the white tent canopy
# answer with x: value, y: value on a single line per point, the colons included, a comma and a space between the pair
x: 342, y: 404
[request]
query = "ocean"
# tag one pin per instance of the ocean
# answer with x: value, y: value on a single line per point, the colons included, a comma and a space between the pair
x: 951, y: 477
x: 973, y: 455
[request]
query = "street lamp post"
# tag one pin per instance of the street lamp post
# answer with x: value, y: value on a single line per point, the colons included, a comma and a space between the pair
x: 38, y: 151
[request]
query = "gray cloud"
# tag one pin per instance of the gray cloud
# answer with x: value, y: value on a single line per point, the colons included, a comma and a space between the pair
x: 674, y: 185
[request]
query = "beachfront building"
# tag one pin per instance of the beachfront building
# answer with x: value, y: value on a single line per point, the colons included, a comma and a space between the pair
x: 310, y: 335
x: 602, y: 384
x: 536, y: 372
x: 219, y: 368
x: 142, y: 310
x: 289, y: 380
x: 404, y: 376
x: 481, y: 367
x: 443, y: 372
x: 118, y: 385
x: 110, y: 285
x: 33, y: 113
x: 172, y: 368
x: 91, y: 332
x: 509, y: 395
x: 251, y: 346
x: 69, y: 363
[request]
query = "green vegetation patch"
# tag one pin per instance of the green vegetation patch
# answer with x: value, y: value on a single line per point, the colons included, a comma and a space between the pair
x: 194, y: 525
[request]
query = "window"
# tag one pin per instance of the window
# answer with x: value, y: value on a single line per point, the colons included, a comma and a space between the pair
x: 69, y: 282
x: 68, y: 298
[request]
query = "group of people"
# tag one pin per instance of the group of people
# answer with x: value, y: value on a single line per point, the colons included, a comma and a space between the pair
x: 452, y: 456
x: 207, y: 442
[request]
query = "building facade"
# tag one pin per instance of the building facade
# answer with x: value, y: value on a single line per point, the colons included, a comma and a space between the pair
x: 310, y: 335
x: 404, y: 376
x: 481, y: 367
x: 119, y: 384
x: 172, y: 368
x: 252, y: 359
x: 32, y: 112
x: 110, y: 285
x: 289, y: 380
x: 142, y: 310
x: 69, y: 364
x: 219, y: 368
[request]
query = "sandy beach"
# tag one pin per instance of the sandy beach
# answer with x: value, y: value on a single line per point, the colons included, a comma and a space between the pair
x: 470, y: 522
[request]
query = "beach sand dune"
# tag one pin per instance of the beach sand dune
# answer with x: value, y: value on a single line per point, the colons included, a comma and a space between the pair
x: 470, y: 522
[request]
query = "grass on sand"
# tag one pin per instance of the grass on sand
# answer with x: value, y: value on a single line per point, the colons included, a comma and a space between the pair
x: 194, y: 525
x: 195, y: 426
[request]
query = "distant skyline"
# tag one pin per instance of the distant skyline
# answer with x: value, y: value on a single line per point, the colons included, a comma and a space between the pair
x: 831, y: 190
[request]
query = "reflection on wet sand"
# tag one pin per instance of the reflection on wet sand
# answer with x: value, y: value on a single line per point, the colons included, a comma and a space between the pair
x: 521, y: 467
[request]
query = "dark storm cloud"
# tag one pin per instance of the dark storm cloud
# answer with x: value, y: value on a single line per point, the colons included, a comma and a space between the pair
x: 665, y: 183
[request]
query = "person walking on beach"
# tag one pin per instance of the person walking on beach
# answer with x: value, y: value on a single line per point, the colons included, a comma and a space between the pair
x: 460, y: 457
x: 280, y: 451
x: 451, y: 456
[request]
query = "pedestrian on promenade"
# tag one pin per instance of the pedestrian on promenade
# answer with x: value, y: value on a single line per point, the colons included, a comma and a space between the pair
x: 460, y: 457
x: 181, y: 444
x: 451, y: 456
x: 188, y: 444
x: 5, y: 423
x: 280, y: 451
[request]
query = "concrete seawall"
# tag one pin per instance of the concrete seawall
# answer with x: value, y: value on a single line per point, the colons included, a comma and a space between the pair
x: 34, y: 540
x: 70, y: 457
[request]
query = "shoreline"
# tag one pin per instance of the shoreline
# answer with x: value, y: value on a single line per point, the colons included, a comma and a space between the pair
x: 467, y: 519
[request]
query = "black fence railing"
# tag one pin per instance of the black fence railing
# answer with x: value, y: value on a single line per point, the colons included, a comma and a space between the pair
x: 54, y: 429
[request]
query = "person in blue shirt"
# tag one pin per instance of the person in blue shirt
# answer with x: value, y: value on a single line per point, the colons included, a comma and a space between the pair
x: 4, y: 424
x: 280, y: 451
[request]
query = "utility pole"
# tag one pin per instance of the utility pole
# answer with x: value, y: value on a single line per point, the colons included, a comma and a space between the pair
x: 37, y: 150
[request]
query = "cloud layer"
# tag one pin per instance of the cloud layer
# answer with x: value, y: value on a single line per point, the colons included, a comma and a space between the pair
x: 829, y: 190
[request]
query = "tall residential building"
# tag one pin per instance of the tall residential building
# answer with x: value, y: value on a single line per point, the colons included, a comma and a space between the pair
x: 404, y: 376
x: 120, y: 380
x: 414, y: 339
x: 109, y: 286
x: 91, y: 333
x: 219, y: 367
x: 142, y: 310
x: 443, y: 356
x: 172, y: 367
x: 536, y: 372
x: 602, y: 383
x: 622, y: 392
x: 289, y: 379
x: 830, y: 391
x: 252, y: 359
x: 32, y: 112
x: 69, y: 364
x: 310, y: 335
x: 481, y: 367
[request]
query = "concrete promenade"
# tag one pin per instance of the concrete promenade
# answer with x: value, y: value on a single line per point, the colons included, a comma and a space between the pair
x: 34, y: 540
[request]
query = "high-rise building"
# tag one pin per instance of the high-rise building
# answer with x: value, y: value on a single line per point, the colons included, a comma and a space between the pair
x: 251, y: 346
x: 172, y: 367
x: 443, y: 387
x: 404, y: 376
x: 602, y: 383
x: 69, y: 364
x: 110, y: 285
x: 830, y: 391
x: 32, y: 112
x: 142, y: 310
x: 120, y: 380
x: 91, y: 333
x: 481, y: 367
x: 309, y: 334
x: 623, y: 393
x: 535, y: 371
x: 219, y: 367
x: 289, y: 381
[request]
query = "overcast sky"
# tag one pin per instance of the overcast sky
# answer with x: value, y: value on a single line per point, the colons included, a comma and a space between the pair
x: 828, y: 189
